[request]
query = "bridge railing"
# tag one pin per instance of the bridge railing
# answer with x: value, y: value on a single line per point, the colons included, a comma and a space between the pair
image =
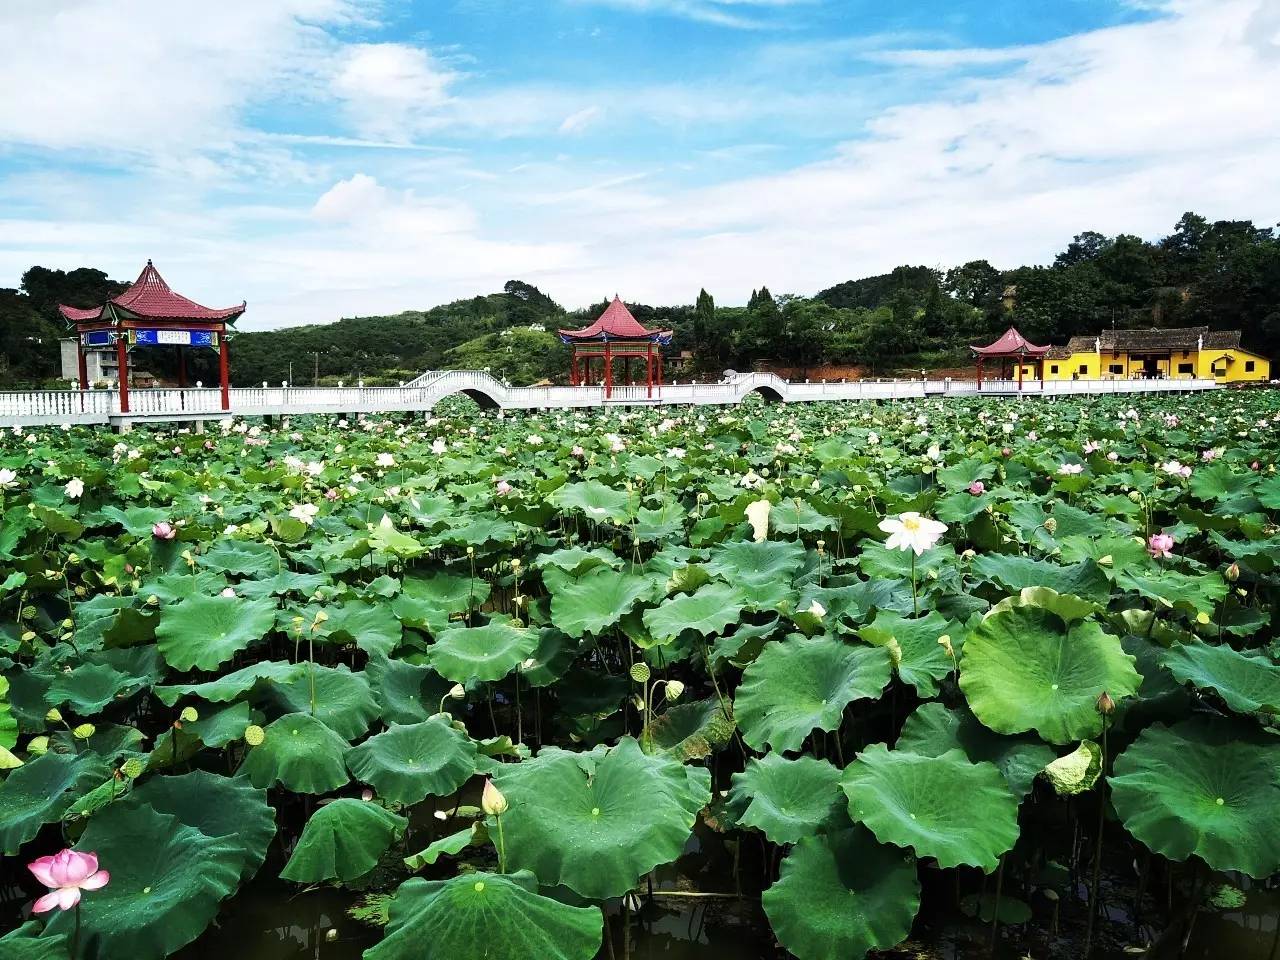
x: 49, y: 404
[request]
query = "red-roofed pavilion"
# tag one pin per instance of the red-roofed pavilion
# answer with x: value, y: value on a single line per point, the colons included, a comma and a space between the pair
x: 1012, y: 346
x: 150, y: 314
x: 616, y: 334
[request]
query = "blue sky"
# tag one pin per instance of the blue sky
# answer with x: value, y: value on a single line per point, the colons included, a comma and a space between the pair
x: 328, y: 158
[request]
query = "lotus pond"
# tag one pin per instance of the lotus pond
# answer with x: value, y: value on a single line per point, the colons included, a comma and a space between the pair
x: 928, y: 679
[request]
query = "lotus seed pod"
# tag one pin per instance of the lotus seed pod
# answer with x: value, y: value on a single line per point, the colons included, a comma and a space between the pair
x: 1051, y: 525
x: 492, y: 801
x: 133, y: 768
x: 54, y: 715
x: 38, y: 746
x: 640, y: 672
x: 1135, y: 496
x: 471, y: 551
x: 458, y: 692
x: 84, y: 731
x: 68, y: 624
x: 1105, y: 704
x: 254, y: 735
x: 189, y: 715
x: 675, y: 689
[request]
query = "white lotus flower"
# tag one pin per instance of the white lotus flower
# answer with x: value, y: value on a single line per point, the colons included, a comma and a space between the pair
x: 74, y: 488
x: 758, y: 516
x: 817, y: 609
x: 910, y: 531
x: 7, y: 477
x: 1070, y: 469
x: 386, y: 460
x: 306, y: 512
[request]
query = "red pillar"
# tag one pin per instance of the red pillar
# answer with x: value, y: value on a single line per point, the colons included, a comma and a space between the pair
x: 608, y: 370
x: 224, y: 372
x: 82, y: 366
x: 573, y: 367
x: 122, y: 371
x: 1020, y: 374
x: 648, y: 368
x: 182, y: 367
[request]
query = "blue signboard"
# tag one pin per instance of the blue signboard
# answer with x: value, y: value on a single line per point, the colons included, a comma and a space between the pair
x: 96, y: 338
x: 174, y: 338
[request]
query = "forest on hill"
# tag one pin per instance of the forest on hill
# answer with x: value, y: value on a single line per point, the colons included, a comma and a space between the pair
x: 1223, y: 274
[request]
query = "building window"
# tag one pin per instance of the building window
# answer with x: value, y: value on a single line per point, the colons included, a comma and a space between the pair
x: 1116, y: 368
x: 1053, y: 368
x: 1248, y: 366
x: 1185, y: 368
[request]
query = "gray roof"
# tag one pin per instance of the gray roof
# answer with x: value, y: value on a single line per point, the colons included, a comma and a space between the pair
x: 1150, y: 340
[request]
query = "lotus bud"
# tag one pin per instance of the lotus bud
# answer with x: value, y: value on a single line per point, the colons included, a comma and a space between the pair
x: 1106, y: 561
x: 254, y: 735
x: 68, y: 624
x: 153, y: 601
x: 54, y: 715
x: 471, y: 551
x: 133, y: 768
x: 38, y: 746
x: 1232, y: 573
x: 638, y: 703
x: 492, y: 802
x: 331, y: 935
x: 1135, y: 496
x: 944, y: 641
x: 515, y: 565
x: 189, y: 715
x: 675, y: 689
x: 895, y: 651
x: 1051, y: 526
x: 1106, y: 706
x: 457, y: 692
x: 84, y: 731
x: 640, y: 672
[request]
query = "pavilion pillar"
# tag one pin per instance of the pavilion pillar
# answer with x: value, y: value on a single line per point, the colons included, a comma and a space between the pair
x: 659, y: 371
x: 122, y: 369
x: 573, y: 367
x: 979, y: 374
x: 608, y: 370
x: 182, y: 367
x: 224, y: 372
x: 648, y: 369
x: 1019, y: 362
x: 82, y: 365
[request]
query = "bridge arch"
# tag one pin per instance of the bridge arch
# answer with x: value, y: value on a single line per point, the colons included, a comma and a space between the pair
x: 483, y: 400
x: 767, y: 393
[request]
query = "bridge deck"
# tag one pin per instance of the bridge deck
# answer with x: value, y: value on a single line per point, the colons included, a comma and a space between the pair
x: 102, y: 407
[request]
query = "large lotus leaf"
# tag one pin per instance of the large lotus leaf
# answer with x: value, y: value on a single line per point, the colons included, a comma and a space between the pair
x: 172, y: 587
x: 286, y: 581
x: 489, y: 652
x: 692, y: 731
x: 596, y: 822
x: 344, y: 702
x: 408, y: 764
x: 913, y: 645
x: 787, y: 800
x: 371, y: 627
x: 167, y: 880
x: 405, y: 692
x: 486, y: 916
x: 244, y: 558
x: 933, y: 729
x: 8, y: 725
x: 799, y: 684
x: 1248, y: 684
x: 41, y: 790
x: 428, y: 603
x: 945, y: 807
x: 842, y: 895
x: 25, y: 943
x: 205, y: 632
x: 90, y: 687
x: 342, y: 841
x: 1203, y: 787
x: 222, y: 808
x: 1199, y: 593
x: 763, y: 572
x: 299, y: 752
x: 1084, y: 579
x: 597, y: 601
x: 233, y: 684
x: 219, y: 725
x: 708, y: 611
x: 599, y: 502
x: 1024, y: 669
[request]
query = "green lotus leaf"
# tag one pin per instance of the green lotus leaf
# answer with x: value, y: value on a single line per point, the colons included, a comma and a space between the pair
x: 985, y: 907
x: 598, y: 600
x: 801, y: 684
x: 575, y: 561
x: 599, y: 502
x: 787, y: 800
x: 299, y: 752
x: 205, y: 632
x: 244, y: 558
x: 596, y: 822
x: 448, y: 846
x: 343, y: 841
x: 222, y: 808
x: 219, y: 725
x: 489, y: 652
x: 692, y: 731
x: 933, y: 729
x: 1084, y: 579
x: 90, y: 687
x: 371, y: 627
x: 172, y: 587
x: 1024, y: 669
x: 1206, y: 788
x: 428, y: 602
x: 284, y: 582
x: 552, y: 659
x: 408, y: 764
x: 708, y: 611
x: 405, y: 692
x: 344, y: 702
x: 913, y: 645
x: 41, y: 790
x: 1248, y: 684
x: 26, y: 943
x: 167, y: 880
x: 841, y: 896
x: 1173, y: 589
x: 136, y: 521
x: 762, y: 572
x: 486, y: 916
x: 234, y: 684
x: 1076, y: 772
x: 946, y: 807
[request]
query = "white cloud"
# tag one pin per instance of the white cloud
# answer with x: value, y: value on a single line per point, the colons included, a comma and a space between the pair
x: 740, y: 14
x: 577, y: 122
x: 392, y: 90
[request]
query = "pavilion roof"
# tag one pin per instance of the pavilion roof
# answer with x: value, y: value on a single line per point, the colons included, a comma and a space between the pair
x: 1011, y: 344
x: 151, y: 298
x: 616, y: 323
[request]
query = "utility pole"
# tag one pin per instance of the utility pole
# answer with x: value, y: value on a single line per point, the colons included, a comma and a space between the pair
x: 315, y: 381
x: 290, y: 373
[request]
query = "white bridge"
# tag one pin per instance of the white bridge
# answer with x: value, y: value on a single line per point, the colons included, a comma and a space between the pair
x: 160, y: 405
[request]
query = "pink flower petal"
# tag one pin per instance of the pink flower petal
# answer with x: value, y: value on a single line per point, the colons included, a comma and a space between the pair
x: 46, y: 903
x: 40, y: 868
x: 96, y: 881
x: 81, y: 865
x: 68, y: 897
x: 58, y: 869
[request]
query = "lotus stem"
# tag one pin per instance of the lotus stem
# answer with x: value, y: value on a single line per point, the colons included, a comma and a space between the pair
x: 502, y: 846
x: 1097, y: 845
x: 915, y: 600
x: 995, y: 913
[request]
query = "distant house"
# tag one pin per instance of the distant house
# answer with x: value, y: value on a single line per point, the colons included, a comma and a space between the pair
x: 100, y: 363
x: 1174, y: 353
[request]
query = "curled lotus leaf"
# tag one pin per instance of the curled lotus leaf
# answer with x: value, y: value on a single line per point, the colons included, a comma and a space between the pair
x: 202, y: 633
x: 344, y: 702
x: 787, y: 800
x: 1077, y: 771
x: 343, y: 841
x: 300, y: 753
x: 595, y: 602
x: 488, y: 652
x: 41, y: 790
x: 407, y: 764
x: 1247, y: 684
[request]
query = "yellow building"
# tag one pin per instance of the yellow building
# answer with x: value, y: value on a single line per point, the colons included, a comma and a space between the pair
x: 1175, y: 353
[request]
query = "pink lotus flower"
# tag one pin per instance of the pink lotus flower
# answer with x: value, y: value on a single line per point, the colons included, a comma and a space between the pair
x: 66, y: 873
x: 977, y: 488
x: 1006, y: 452
x: 1160, y: 546
x: 504, y: 488
x: 163, y: 530
x: 331, y: 494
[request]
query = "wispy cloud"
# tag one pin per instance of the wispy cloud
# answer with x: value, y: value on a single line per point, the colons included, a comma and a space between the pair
x: 739, y: 14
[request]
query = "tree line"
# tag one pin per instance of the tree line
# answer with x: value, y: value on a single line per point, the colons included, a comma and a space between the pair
x: 1223, y: 274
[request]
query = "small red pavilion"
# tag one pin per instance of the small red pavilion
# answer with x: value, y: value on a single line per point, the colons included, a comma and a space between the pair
x: 150, y: 314
x: 617, y: 334
x: 1011, y: 347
